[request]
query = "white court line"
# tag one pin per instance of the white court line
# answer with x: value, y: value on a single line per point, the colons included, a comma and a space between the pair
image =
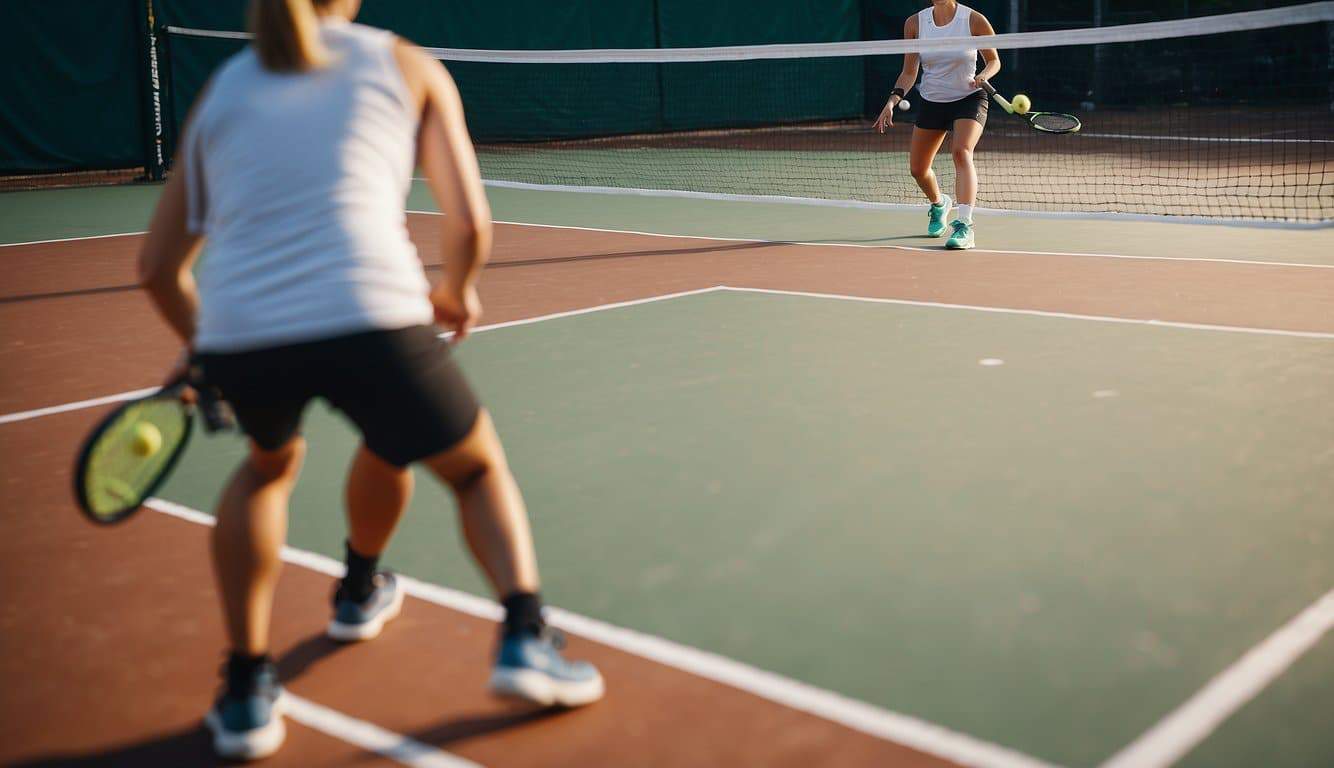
x: 1191, y: 723
x: 71, y: 239
x: 370, y: 737
x: 93, y: 403
x: 828, y: 705
x: 884, y: 246
x: 1041, y: 313
x: 123, y: 396
x: 596, y: 308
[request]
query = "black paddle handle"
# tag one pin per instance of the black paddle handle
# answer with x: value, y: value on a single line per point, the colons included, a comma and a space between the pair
x: 216, y: 413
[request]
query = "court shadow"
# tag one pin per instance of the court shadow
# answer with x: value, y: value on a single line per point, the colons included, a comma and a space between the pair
x: 748, y: 245
x: 185, y: 747
x: 304, y: 655
x: 868, y: 240
x: 469, y: 726
x: 720, y: 247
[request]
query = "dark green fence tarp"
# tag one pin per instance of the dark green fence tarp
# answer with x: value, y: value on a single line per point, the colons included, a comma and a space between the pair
x: 71, y: 94
x: 759, y: 92
x: 503, y: 102
x: 532, y: 102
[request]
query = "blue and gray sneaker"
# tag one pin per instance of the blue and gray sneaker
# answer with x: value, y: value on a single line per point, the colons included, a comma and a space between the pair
x: 935, y: 216
x: 247, y: 720
x: 356, y: 620
x: 530, y: 667
x: 961, y: 239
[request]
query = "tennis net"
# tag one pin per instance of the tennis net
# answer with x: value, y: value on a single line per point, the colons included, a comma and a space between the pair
x: 1225, y: 118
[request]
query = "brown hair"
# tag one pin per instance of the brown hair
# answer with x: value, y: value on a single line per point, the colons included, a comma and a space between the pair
x: 287, y: 34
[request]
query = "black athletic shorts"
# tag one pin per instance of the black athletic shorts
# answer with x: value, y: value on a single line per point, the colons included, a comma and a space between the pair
x: 401, y: 388
x: 940, y: 116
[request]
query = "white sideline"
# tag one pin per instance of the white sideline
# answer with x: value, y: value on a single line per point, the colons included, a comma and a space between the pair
x: 96, y: 401
x: 1191, y: 723
x: 1041, y: 313
x: 857, y: 715
x: 71, y: 239
x: 132, y: 394
x: 370, y: 737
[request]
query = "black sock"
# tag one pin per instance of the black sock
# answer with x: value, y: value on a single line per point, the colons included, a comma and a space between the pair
x: 523, y: 613
x: 360, y: 579
x: 242, y: 672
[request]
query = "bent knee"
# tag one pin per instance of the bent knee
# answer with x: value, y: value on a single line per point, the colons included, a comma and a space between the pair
x: 921, y: 173
x: 477, y: 455
x: 280, y: 463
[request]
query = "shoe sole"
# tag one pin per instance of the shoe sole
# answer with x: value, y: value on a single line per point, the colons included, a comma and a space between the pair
x: 254, y: 744
x: 968, y: 247
x: 356, y: 633
x: 538, y: 688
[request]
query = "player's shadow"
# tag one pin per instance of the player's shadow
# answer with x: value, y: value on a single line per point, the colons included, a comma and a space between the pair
x: 867, y: 241
x: 190, y: 746
x: 304, y: 655
x: 454, y: 729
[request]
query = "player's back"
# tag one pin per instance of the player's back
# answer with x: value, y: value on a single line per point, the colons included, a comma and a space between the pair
x: 299, y: 181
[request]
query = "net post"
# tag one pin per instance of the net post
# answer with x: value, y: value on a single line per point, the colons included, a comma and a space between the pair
x: 150, y: 94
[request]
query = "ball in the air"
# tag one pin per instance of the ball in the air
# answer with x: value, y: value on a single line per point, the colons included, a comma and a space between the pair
x: 1021, y: 104
x: 904, y: 105
x: 147, y: 440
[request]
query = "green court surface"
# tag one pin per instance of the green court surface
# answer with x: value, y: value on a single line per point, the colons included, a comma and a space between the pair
x: 1051, y: 553
x: 1281, y: 721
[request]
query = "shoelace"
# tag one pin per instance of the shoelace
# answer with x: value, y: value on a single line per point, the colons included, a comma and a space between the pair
x: 960, y: 228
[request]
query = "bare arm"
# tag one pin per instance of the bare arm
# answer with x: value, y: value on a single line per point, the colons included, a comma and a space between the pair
x: 166, y: 258
x: 445, y: 153
x: 911, y: 64
x: 980, y: 27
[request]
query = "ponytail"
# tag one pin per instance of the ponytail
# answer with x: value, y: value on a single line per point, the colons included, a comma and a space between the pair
x: 287, y: 35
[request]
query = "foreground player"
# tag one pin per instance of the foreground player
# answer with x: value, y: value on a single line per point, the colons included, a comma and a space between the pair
x: 296, y: 166
x: 952, y: 99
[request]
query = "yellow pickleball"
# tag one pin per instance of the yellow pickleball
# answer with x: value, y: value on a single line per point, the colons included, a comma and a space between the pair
x: 146, y: 441
x: 1021, y: 104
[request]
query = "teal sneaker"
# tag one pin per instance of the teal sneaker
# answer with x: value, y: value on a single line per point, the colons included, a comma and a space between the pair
x: 935, y: 217
x: 247, y: 720
x: 961, y: 239
x: 361, y: 617
x: 530, y: 667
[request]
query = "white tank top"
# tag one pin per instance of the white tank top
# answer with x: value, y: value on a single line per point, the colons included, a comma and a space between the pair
x: 299, y: 183
x: 946, y: 74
